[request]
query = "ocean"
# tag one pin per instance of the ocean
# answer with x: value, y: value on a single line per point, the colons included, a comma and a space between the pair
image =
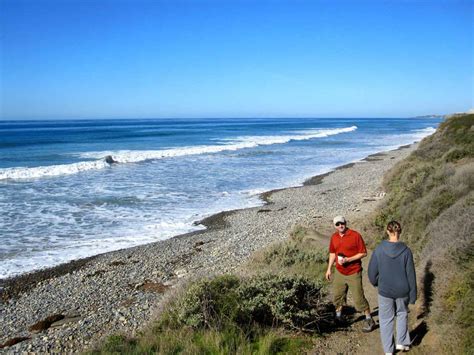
x: 60, y: 200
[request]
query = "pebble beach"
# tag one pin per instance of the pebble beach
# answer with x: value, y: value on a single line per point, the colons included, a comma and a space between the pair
x: 71, y: 307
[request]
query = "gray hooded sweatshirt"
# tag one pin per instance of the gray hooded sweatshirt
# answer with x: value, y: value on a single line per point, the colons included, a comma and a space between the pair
x: 392, y: 270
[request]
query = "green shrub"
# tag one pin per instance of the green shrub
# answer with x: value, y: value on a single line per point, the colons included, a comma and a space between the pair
x: 463, y: 179
x: 300, y: 255
x: 458, y: 129
x: 458, y: 303
x: 289, y: 253
x: 295, y: 303
x: 292, y: 302
x: 118, y: 344
x: 413, y: 181
x: 425, y: 184
x: 298, y: 234
x: 455, y: 154
x: 209, y: 303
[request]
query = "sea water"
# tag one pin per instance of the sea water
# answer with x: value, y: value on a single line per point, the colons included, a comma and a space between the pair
x: 60, y: 200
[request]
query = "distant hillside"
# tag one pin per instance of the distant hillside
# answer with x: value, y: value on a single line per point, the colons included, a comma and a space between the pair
x: 432, y: 194
x: 429, y: 116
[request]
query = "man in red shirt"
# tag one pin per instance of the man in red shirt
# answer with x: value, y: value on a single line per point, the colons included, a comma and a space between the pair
x: 347, y: 248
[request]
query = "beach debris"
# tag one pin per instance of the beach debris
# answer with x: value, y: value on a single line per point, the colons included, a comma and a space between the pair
x: 180, y: 273
x: 264, y: 210
x: 70, y: 318
x: 117, y: 263
x: 45, y: 323
x: 128, y: 302
x: 198, y: 244
x: 13, y: 341
x: 170, y: 283
x: 96, y: 273
x: 155, y: 287
x: 157, y: 274
x: 378, y: 196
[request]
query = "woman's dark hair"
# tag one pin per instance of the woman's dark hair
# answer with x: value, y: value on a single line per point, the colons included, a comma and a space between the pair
x: 394, y: 227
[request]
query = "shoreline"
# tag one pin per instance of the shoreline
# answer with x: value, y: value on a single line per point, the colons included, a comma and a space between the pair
x: 11, y: 287
x: 118, y: 291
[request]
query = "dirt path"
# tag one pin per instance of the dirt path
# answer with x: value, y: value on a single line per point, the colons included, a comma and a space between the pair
x: 351, y: 339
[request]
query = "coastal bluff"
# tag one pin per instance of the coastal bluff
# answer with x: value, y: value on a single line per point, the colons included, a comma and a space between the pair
x: 119, y: 291
x: 115, y: 298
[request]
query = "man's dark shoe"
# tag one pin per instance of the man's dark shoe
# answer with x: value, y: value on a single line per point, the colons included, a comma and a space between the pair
x: 341, y: 321
x: 369, y: 325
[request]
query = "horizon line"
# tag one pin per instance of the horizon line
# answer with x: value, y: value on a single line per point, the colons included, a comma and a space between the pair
x: 217, y: 118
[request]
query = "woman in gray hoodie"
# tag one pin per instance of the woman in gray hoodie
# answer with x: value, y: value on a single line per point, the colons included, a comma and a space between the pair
x: 392, y: 270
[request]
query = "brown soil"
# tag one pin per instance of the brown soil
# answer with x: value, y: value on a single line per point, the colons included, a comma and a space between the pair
x: 351, y: 339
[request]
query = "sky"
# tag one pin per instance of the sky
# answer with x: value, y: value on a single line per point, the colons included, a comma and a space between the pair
x: 71, y: 59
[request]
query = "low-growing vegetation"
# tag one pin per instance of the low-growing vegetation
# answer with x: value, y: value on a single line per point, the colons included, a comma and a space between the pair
x: 279, y: 303
x: 301, y: 255
x: 277, y: 310
x: 432, y: 194
x: 268, y: 300
x: 437, y: 174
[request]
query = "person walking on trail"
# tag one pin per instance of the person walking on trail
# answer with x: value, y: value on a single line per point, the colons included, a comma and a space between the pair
x: 392, y: 270
x: 347, y: 248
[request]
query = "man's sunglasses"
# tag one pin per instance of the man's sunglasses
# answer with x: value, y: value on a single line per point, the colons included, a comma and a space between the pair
x: 340, y: 223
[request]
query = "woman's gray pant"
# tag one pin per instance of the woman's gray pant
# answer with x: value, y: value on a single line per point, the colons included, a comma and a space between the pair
x: 390, y: 308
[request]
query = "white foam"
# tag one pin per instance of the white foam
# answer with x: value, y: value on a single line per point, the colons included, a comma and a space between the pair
x: 422, y: 133
x: 253, y: 192
x: 74, y: 249
x: 407, y: 138
x: 53, y: 170
x: 135, y: 156
x: 301, y: 135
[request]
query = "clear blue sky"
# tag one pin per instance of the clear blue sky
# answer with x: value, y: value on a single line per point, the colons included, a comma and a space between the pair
x: 137, y: 58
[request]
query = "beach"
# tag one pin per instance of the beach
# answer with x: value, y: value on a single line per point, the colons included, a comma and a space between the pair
x: 120, y: 291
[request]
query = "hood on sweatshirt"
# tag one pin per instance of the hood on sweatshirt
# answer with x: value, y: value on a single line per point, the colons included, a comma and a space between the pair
x: 393, y: 250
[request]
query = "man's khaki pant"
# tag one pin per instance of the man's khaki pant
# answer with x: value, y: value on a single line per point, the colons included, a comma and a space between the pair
x: 353, y: 282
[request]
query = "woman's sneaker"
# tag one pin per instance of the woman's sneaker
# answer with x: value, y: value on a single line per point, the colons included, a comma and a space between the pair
x: 369, y: 325
x: 402, y: 347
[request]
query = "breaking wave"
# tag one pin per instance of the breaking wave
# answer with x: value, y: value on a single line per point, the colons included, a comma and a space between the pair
x: 136, y: 156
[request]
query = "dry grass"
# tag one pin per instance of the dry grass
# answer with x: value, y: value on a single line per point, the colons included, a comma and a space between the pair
x: 432, y: 194
x: 252, y: 313
x: 301, y: 255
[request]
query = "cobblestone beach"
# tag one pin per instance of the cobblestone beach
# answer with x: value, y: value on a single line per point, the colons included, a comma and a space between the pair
x: 70, y: 307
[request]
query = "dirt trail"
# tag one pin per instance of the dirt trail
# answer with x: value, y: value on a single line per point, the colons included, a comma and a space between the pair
x: 351, y: 339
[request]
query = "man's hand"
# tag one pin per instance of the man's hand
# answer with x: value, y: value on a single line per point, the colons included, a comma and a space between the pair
x: 328, y: 275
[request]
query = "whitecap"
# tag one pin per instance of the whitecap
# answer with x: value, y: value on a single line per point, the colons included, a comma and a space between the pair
x: 136, y: 156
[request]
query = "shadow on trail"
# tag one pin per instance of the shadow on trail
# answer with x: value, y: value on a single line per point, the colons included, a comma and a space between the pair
x: 421, y: 329
x: 428, y: 280
x: 418, y: 333
x: 350, y: 317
